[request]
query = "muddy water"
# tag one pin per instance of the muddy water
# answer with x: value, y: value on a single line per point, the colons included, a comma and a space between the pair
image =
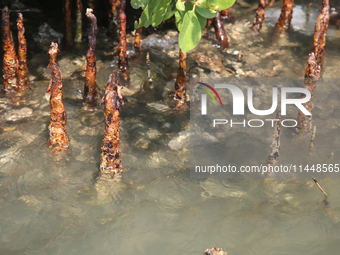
x: 55, y: 205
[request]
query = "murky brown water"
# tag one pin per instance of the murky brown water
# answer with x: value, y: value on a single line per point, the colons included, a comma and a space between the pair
x: 56, y: 207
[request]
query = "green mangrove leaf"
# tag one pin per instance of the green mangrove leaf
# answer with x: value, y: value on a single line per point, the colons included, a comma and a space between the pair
x: 206, y: 13
x: 139, y: 3
x: 190, y: 33
x: 180, y: 5
x: 202, y: 21
x: 160, y: 11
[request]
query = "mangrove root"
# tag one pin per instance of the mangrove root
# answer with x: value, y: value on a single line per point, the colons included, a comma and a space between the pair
x: 23, y: 73
x: 214, y: 251
x: 10, y: 59
x: 275, y: 145
x: 78, y: 36
x: 58, y: 137
x: 260, y: 14
x: 113, y: 16
x: 226, y: 15
x: 180, y: 85
x: 220, y: 33
x: 305, y: 121
x: 110, y: 160
x: 311, y: 144
x: 138, y: 39
x: 90, y: 88
x: 205, y: 31
x: 320, y: 31
x: 286, y: 15
x: 68, y: 28
x: 123, y: 58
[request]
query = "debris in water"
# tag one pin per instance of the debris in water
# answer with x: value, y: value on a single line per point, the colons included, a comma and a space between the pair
x: 215, y: 251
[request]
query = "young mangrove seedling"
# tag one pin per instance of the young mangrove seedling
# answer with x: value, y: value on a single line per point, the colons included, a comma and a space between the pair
x: 275, y: 145
x: 23, y: 73
x: 286, y: 15
x: 10, y: 59
x: 123, y: 58
x: 57, y: 129
x: 325, y: 201
x: 90, y: 87
x: 78, y: 36
x: 180, y: 85
x: 110, y: 159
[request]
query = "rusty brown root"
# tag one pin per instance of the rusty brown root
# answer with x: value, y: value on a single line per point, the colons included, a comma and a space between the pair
x: 57, y: 129
x: 90, y: 87
x: 10, y: 59
x: 113, y: 16
x: 68, y: 28
x: 260, y: 14
x: 320, y: 31
x: 22, y: 71
x: 138, y: 40
x: 78, y: 36
x: 220, y: 32
x: 123, y: 58
x: 226, y: 15
x: 180, y: 85
x: 286, y: 15
x: 110, y: 159
x: 275, y: 145
x: 314, y: 64
x: 305, y: 121
x: 205, y: 31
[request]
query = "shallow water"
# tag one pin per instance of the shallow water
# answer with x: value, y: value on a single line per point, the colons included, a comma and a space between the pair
x: 55, y: 205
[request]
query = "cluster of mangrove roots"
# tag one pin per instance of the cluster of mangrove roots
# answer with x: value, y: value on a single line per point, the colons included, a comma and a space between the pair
x: 113, y: 16
x: 15, y: 71
x: 78, y: 37
x: 138, y: 40
x: 220, y: 33
x: 180, y: 85
x: 110, y: 160
x: 90, y: 88
x: 122, y: 57
x: 260, y: 14
x: 286, y: 15
x: 275, y: 145
x: 57, y: 129
x: 68, y: 28
x: 314, y: 64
